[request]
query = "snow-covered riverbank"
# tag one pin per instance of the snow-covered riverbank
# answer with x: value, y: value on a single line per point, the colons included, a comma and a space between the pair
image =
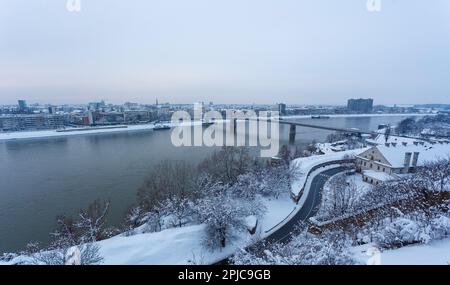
x: 180, y: 246
x: 27, y: 135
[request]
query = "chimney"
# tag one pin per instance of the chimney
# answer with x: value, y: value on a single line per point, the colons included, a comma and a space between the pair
x: 415, y: 159
x: 407, y: 162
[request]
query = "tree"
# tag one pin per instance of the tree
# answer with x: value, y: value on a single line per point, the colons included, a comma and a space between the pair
x: 179, y: 208
x: 341, y: 197
x: 89, y: 255
x: 92, y: 221
x: 167, y: 178
x: 406, y: 126
x: 227, y: 164
x: 223, y: 215
x: 435, y: 175
x: 67, y: 233
x: 331, y: 248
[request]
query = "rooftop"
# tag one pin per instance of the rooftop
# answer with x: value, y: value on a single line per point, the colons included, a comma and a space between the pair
x: 380, y: 176
x: 427, y: 153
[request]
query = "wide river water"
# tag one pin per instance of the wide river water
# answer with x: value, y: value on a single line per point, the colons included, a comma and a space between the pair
x: 43, y: 178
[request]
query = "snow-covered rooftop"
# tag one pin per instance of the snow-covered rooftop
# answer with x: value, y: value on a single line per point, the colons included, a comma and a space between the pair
x: 428, y: 152
x: 380, y: 176
x: 381, y: 139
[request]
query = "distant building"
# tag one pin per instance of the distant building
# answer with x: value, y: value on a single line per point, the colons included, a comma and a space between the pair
x: 135, y: 117
x: 22, y: 105
x: 391, y: 161
x: 103, y: 118
x: 52, y: 110
x: 96, y: 106
x: 280, y: 108
x: 31, y: 122
x: 360, y: 105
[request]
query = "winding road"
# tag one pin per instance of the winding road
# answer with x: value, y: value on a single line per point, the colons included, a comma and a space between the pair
x: 309, y: 208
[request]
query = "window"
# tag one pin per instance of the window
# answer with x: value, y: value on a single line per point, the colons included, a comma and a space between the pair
x: 378, y: 167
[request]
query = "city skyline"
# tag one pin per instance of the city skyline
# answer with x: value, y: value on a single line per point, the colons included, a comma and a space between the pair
x: 227, y: 52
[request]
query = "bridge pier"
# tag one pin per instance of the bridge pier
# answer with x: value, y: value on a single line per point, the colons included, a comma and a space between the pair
x: 292, y: 132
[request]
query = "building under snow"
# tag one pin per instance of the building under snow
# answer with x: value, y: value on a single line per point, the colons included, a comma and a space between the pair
x: 391, y: 160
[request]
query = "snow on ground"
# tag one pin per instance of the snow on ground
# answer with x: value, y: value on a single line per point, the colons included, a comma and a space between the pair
x: 435, y: 253
x: 179, y: 246
x: 363, y: 187
x: 176, y: 246
x: 53, y: 133
x: 277, y: 211
x: 305, y: 164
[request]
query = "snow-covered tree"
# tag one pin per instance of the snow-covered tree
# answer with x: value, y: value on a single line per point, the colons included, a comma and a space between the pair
x: 89, y: 255
x: 224, y: 215
x: 91, y: 221
x: 331, y: 248
x: 436, y: 175
x: 178, y: 208
x: 340, y: 197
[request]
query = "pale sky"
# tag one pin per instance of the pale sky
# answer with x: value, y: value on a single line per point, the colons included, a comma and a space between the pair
x: 225, y: 51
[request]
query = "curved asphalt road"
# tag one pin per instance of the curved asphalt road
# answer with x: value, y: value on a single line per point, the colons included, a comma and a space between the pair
x: 309, y: 209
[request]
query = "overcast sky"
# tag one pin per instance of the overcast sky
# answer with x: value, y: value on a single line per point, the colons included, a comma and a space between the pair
x: 225, y: 51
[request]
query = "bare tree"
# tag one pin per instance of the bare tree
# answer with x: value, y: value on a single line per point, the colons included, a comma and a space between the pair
x: 435, y: 175
x: 227, y: 164
x: 167, y: 178
x: 92, y: 221
x: 341, y: 198
x: 89, y: 255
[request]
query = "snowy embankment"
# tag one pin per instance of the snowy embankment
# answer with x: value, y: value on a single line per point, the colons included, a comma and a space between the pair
x: 434, y: 253
x: 304, y: 165
x: 27, y: 135
x: 180, y: 246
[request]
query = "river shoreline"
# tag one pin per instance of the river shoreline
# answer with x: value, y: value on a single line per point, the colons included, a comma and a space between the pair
x: 43, y: 134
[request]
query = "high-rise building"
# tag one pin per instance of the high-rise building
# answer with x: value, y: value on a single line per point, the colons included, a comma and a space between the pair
x: 52, y: 110
x: 360, y: 105
x: 280, y: 108
x: 22, y: 105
